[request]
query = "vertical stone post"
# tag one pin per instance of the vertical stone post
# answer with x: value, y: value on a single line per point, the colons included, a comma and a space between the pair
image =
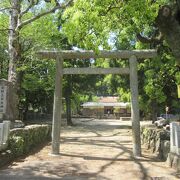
x: 135, y: 107
x: 177, y: 139
x: 172, y: 137
x: 57, y: 107
x: 6, y: 130
x: 1, y: 134
x: 173, y: 159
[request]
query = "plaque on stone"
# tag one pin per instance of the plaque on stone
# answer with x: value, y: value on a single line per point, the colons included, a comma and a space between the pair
x: 3, y: 91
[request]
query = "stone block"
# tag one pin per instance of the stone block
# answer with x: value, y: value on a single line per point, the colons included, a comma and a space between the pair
x: 6, y: 130
x: 170, y: 159
x: 177, y: 139
x: 165, y: 149
x: 1, y: 133
x: 172, y: 137
x: 152, y: 145
x: 157, y: 140
x: 158, y: 145
x: 176, y: 163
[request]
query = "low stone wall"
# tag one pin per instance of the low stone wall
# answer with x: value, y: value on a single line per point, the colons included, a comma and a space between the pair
x: 157, y: 140
x: 22, y: 140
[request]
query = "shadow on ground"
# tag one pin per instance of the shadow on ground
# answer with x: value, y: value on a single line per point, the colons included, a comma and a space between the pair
x: 58, y: 170
x: 73, y: 164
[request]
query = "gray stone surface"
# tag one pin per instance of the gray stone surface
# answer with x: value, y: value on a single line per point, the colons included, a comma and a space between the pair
x: 173, y: 161
x: 3, y: 100
x: 135, y: 117
x: 175, y: 138
x: 165, y: 148
x: 7, y: 99
x: 6, y: 130
x: 172, y: 137
x: 157, y: 140
x: 1, y: 133
x: 85, y: 54
x: 57, y: 107
x: 4, y: 133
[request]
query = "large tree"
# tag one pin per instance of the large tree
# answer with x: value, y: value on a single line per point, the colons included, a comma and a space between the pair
x: 22, y: 13
x: 94, y: 24
x: 168, y: 22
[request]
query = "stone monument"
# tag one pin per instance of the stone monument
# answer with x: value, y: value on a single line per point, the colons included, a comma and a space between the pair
x: 6, y: 101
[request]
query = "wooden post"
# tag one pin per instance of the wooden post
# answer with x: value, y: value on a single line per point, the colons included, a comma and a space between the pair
x: 57, y: 107
x: 135, y: 107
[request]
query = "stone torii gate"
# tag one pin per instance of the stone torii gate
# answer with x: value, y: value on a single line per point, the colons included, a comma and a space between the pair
x: 60, y: 55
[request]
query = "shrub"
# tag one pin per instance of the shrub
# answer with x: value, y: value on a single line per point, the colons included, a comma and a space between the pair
x: 22, y: 140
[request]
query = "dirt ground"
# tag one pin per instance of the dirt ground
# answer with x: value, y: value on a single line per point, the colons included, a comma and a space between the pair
x: 93, y: 149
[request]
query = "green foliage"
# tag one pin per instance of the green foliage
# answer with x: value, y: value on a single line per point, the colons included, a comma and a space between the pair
x: 3, y: 46
x: 16, y: 144
x: 90, y: 23
x: 117, y: 109
x: 22, y: 141
x: 178, y: 78
x: 153, y: 88
x: 124, y: 94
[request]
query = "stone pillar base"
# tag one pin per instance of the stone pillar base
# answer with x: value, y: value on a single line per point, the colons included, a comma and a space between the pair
x: 173, y: 161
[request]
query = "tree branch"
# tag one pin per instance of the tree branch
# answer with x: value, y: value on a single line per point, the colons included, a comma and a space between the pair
x: 6, y: 29
x: 4, y: 9
x: 57, y: 6
x: 149, y: 40
x: 31, y: 4
x: 178, y: 3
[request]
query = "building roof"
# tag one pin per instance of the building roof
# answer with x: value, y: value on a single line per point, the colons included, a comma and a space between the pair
x: 105, y: 104
x: 108, y: 99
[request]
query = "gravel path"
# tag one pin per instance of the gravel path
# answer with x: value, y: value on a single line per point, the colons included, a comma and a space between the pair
x: 93, y: 149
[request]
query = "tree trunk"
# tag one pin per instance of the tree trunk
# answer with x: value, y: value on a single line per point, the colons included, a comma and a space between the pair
x: 14, y: 54
x: 14, y: 45
x: 15, y: 25
x: 168, y: 22
x: 1, y: 69
x: 68, y: 101
x: 68, y: 110
x: 154, y: 110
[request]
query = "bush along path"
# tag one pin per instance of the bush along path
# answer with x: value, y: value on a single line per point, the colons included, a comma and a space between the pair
x: 93, y: 149
x: 23, y: 140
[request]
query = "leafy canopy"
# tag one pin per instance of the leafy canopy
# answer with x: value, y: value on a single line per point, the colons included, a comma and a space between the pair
x: 90, y: 23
